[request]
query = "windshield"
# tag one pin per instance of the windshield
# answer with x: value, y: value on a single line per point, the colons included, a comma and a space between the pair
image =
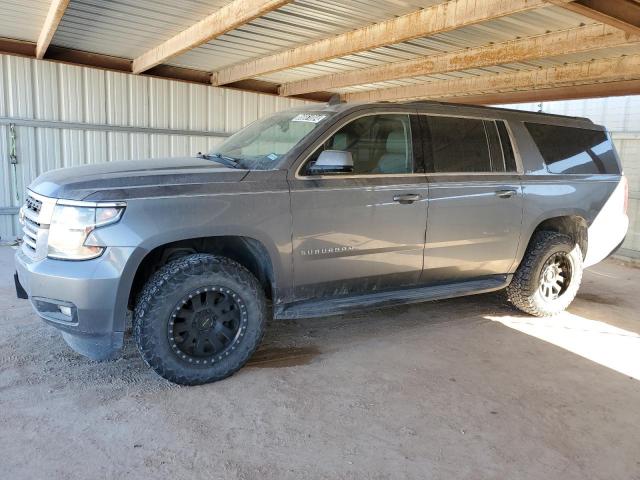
x: 261, y: 145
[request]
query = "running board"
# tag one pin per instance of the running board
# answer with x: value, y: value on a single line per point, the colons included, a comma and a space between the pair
x: 342, y: 305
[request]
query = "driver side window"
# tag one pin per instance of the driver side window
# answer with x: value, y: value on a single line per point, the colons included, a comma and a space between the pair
x: 378, y: 144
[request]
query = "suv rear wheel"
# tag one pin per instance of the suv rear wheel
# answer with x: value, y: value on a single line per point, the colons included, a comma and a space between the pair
x: 199, y: 319
x: 549, y: 276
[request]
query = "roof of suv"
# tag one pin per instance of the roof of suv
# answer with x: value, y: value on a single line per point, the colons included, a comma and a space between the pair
x: 526, y: 115
x: 500, y: 109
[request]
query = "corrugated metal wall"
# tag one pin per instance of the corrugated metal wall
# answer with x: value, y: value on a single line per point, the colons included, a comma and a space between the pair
x: 621, y: 115
x: 67, y: 115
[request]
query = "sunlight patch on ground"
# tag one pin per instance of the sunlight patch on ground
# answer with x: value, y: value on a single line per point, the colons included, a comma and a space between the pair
x: 597, y: 341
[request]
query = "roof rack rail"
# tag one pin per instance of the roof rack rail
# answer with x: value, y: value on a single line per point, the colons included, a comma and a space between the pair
x: 484, y: 107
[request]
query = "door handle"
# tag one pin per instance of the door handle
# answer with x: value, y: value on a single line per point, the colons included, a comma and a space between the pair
x: 407, y: 198
x: 506, y: 193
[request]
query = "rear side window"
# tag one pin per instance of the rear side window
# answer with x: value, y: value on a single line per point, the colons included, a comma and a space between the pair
x: 467, y: 145
x: 574, y: 150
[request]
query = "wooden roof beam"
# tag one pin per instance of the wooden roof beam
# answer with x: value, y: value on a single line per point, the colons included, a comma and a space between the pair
x: 593, y: 90
x: 442, y: 17
x: 571, y: 75
x: 51, y: 22
x: 575, y: 40
x: 229, y: 17
x: 622, y: 14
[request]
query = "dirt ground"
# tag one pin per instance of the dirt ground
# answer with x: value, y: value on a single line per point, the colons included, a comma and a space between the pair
x: 457, y: 389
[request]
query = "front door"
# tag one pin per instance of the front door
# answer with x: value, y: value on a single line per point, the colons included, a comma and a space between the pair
x: 364, y: 230
x: 475, y: 199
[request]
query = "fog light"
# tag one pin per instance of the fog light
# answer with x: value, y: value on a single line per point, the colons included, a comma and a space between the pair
x: 66, y: 311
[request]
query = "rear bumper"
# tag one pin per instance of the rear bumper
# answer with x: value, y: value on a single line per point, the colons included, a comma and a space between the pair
x: 606, y: 235
x: 609, y: 228
x: 90, y: 293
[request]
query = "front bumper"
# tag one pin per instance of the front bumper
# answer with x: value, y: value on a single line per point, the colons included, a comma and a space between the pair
x: 93, y: 292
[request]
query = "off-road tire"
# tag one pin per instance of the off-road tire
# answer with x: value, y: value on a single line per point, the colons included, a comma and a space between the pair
x: 165, y: 289
x: 524, y: 291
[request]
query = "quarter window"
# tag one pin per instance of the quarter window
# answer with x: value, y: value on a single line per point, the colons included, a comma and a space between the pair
x: 379, y: 144
x: 574, y: 150
x: 466, y: 145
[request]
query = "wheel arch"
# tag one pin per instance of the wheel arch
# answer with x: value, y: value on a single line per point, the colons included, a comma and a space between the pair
x: 575, y: 226
x: 572, y: 224
x: 247, y: 251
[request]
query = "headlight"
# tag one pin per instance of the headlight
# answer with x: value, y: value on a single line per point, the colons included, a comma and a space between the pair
x: 70, y: 226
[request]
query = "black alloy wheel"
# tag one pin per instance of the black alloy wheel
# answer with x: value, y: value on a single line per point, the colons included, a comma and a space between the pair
x: 206, y: 324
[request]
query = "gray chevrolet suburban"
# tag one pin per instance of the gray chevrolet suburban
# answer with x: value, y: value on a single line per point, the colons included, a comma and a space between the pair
x: 318, y: 211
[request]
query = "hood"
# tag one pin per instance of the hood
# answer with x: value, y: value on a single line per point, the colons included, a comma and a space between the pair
x: 134, y: 179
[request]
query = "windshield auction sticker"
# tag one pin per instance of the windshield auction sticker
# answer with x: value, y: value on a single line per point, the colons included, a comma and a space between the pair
x: 308, y: 117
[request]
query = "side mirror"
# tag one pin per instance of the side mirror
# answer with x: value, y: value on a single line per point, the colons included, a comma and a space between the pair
x: 332, y: 161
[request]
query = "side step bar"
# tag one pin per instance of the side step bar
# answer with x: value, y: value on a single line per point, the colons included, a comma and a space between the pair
x: 342, y: 305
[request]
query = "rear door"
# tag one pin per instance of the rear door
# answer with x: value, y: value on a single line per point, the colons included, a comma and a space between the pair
x: 362, y: 231
x: 475, y: 198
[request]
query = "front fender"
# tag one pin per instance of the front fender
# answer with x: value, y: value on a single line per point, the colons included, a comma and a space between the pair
x: 150, y: 223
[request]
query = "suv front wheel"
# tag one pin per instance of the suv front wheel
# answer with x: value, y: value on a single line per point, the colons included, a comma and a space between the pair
x: 549, y: 276
x: 199, y: 319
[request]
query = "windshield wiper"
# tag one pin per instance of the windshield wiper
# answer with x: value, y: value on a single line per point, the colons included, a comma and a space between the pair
x: 223, y: 159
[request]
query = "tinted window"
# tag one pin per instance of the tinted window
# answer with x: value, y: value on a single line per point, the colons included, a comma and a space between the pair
x: 379, y: 144
x: 458, y: 145
x: 574, y: 150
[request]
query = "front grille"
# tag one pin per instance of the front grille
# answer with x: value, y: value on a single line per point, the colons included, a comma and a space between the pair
x: 35, y: 218
x: 30, y: 237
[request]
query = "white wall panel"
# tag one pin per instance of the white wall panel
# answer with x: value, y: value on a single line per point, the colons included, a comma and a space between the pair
x: 179, y: 112
x: 18, y: 86
x: 117, y: 99
x: 95, y: 147
x: 3, y: 86
x: 198, y: 104
x: 6, y: 178
x: 160, y: 103
x: 117, y: 146
x: 95, y: 95
x: 139, y: 146
x: 49, y: 148
x: 179, y: 145
x: 42, y: 91
x: 73, y: 148
x: 160, y: 146
x: 138, y: 97
x: 47, y: 90
x: 72, y: 94
x: 26, y: 144
x: 217, y: 110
